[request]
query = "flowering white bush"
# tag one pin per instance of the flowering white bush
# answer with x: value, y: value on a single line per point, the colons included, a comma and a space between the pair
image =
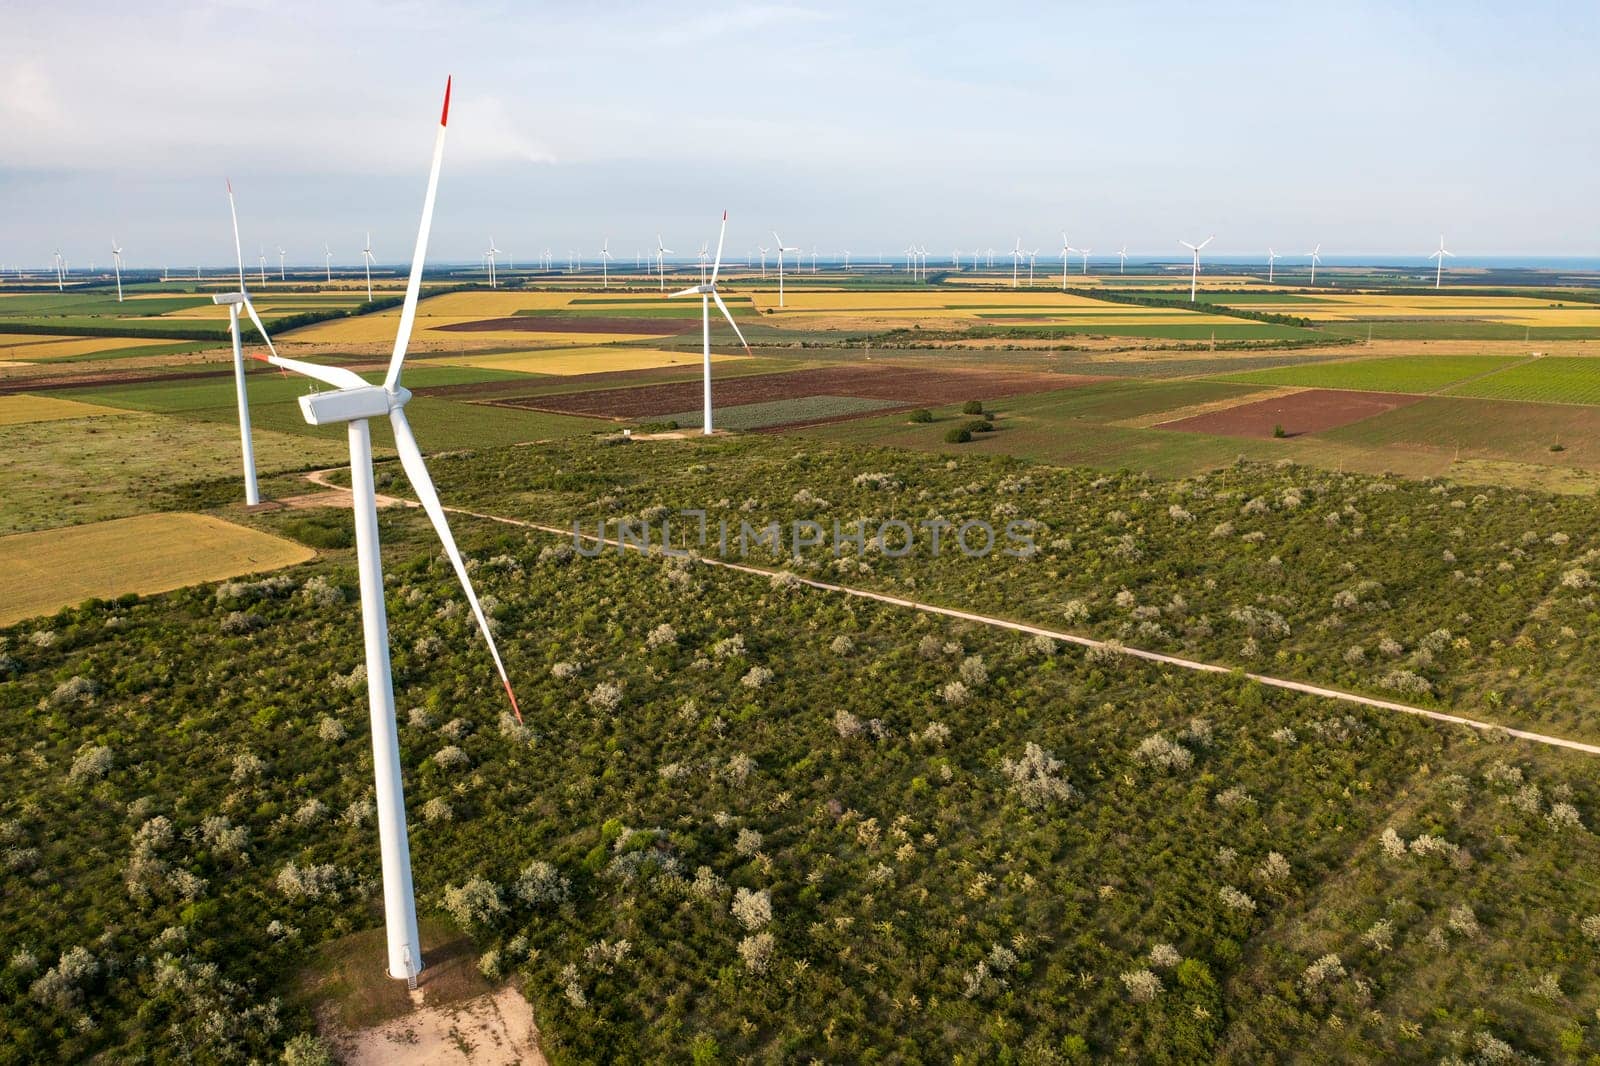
x: 662, y: 636
x: 1233, y: 899
x: 1035, y: 777
x: 756, y: 677
x: 330, y: 729
x: 1156, y: 750
x: 1142, y: 985
x: 606, y: 697
x: 1327, y: 968
x: 756, y: 952
x: 541, y: 884
x: 437, y: 810
x: 752, y: 909
x: 475, y: 903
x: 91, y: 763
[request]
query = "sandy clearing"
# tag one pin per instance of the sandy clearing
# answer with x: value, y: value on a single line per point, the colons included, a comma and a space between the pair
x: 487, y: 1030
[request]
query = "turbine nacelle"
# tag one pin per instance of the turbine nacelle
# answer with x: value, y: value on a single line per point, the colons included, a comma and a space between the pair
x: 349, y: 405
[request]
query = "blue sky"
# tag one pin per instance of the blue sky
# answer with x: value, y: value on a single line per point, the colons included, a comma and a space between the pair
x: 1368, y: 127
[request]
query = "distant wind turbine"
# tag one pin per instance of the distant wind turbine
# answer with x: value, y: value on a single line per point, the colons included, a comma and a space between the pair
x: 1122, y: 267
x: 327, y: 261
x: 662, y: 251
x: 492, y: 253
x: 367, y: 261
x: 61, y: 285
x: 1194, y: 273
x: 261, y: 263
x: 282, y: 251
x: 1085, y: 252
x: 1066, y: 253
x: 781, y: 249
x: 1438, y: 274
x: 116, y: 265
x: 1272, y: 257
x: 605, y: 262
x: 707, y: 291
x: 1315, y: 259
x: 234, y: 301
x: 1016, y: 261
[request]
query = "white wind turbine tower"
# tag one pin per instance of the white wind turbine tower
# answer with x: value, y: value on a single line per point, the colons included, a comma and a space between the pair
x: 116, y: 265
x: 1315, y: 259
x: 662, y: 251
x: 1066, y: 252
x: 1031, y: 257
x: 234, y: 301
x: 261, y: 263
x: 704, y: 257
x: 605, y: 262
x: 353, y: 402
x: 707, y: 291
x: 367, y: 260
x: 1194, y: 273
x: 1122, y: 256
x: 813, y: 259
x: 1016, y: 261
x: 491, y: 253
x: 282, y: 251
x: 1272, y: 258
x: 1438, y: 274
x: 327, y: 261
x: 764, y: 252
x: 1085, y: 252
x: 781, y: 249
x: 61, y: 285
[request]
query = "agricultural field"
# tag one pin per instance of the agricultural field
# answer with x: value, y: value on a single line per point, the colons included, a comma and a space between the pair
x: 571, y: 362
x: 709, y: 834
x: 1414, y: 374
x: 40, y: 573
x: 30, y: 407
x: 1550, y: 379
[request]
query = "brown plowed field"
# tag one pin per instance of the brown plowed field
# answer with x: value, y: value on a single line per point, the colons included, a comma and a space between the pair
x: 896, y: 386
x: 574, y: 324
x: 1311, y: 411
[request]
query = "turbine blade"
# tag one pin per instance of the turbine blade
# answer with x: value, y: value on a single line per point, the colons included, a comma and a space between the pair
x: 408, y: 313
x: 693, y: 290
x: 251, y: 307
x: 717, y: 296
x: 337, y: 376
x: 720, y: 238
x: 422, y: 485
x: 237, y: 251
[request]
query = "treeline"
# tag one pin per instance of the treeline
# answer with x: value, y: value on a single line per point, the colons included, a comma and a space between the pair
x: 1180, y: 304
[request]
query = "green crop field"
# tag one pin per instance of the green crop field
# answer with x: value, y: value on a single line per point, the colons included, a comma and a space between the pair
x: 1407, y: 373
x: 1554, y: 379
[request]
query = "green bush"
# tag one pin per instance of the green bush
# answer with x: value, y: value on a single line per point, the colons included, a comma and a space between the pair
x: 972, y: 407
x: 980, y: 425
x: 957, y: 435
x: 921, y: 414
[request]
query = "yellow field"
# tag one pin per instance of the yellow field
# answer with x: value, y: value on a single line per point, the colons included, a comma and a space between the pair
x: 592, y: 360
x: 1514, y: 310
x: 34, y: 347
x: 42, y: 572
x: 31, y: 407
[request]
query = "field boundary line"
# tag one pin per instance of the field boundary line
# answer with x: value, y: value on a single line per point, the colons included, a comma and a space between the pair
x: 318, y: 477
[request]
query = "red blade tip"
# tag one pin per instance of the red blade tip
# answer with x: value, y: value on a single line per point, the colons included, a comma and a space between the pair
x: 444, y: 116
x: 514, y: 708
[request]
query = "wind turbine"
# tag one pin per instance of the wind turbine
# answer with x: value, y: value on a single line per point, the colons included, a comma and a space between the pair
x: 704, y: 257
x: 1315, y: 259
x: 1031, y: 257
x: 1194, y: 274
x: 261, y: 263
x: 1122, y: 266
x: 367, y: 261
x: 764, y: 252
x: 1066, y: 250
x: 1016, y: 261
x: 491, y: 253
x: 605, y: 260
x: 1085, y: 252
x: 234, y: 301
x: 60, y: 283
x: 327, y: 261
x: 707, y: 291
x: 116, y: 265
x: 781, y: 249
x: 353, y: 402
x: 813, y: 259
x: 1438, y: 274
x: 847, y: 259
x: 662, y: 251
x: 1272, y: 257
x: 281, y: 253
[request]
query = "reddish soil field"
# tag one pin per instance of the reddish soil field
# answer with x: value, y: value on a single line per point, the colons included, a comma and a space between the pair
x: 1311, y: 411
x: 572, y: 324
x: 895, y: 386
